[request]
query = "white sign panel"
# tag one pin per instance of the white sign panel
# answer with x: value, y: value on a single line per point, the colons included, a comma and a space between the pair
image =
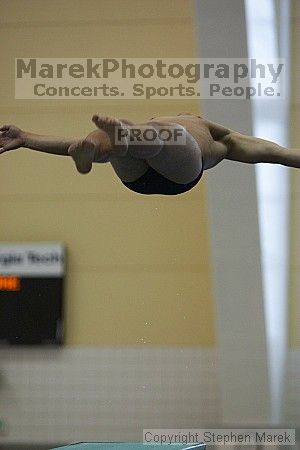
x: 43, y: 259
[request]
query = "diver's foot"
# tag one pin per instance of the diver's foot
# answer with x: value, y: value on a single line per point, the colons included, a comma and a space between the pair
x: 83, y: 154
x: 115, y: 131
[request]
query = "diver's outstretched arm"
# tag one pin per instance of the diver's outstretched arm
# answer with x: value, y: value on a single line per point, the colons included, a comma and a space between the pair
x: 248, y: 149
x: 12, y: 138
x: 252, y: 150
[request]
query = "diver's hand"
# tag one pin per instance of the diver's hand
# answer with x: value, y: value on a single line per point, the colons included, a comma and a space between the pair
x: 11, y: 138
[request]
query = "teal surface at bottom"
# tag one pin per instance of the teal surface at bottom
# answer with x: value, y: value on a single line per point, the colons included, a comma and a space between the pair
x: 129, y: 446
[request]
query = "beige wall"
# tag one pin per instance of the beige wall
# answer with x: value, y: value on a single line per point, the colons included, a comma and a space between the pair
x: 295, y: 182
x: 138, y: 267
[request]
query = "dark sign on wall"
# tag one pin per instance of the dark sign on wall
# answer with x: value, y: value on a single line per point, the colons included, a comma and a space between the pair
x: 31, y: 293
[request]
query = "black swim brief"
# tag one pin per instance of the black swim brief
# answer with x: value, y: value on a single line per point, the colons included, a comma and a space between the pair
x: 154, y: 183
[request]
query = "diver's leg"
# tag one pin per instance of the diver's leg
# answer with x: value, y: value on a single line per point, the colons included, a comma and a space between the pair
x: 97, y: 148
x: 178, y: 159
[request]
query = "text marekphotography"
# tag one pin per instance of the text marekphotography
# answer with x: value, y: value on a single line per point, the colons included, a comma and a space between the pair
x: 148, y: 79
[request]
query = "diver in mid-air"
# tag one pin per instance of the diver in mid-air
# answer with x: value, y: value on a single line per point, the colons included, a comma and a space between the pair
x: 166, y: 155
